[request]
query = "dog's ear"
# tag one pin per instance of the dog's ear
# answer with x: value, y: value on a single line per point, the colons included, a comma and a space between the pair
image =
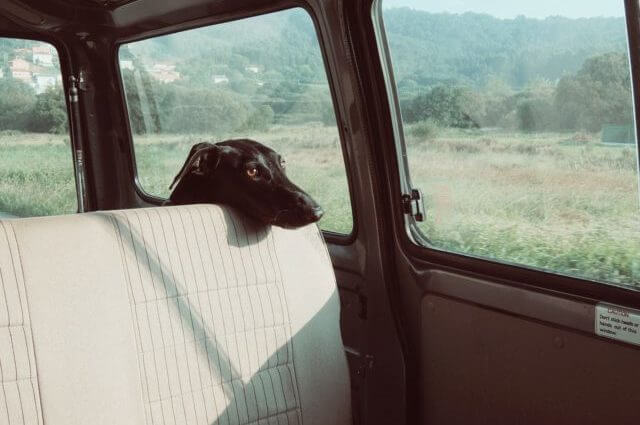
x: 203, y: 159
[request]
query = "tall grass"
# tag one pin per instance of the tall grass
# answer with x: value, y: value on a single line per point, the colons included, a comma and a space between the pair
x: 36, y: 175
x: 561, y: 202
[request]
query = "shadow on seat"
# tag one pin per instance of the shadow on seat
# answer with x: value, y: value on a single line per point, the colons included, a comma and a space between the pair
x: 214, y: 325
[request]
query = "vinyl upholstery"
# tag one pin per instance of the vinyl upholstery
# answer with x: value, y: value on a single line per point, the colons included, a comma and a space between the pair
x: 177, y: 315
x: 19, y: 396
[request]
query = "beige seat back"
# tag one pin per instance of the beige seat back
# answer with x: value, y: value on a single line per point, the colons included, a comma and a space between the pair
x: 178, y: 315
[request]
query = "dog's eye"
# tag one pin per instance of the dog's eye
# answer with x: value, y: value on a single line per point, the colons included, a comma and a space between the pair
x: 283, y: 163
x: 252, y: 172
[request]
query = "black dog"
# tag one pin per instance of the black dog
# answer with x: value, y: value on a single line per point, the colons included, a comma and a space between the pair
x: 248, y: 176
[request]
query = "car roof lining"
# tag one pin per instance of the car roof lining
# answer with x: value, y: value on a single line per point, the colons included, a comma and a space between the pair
x: 122, y: 20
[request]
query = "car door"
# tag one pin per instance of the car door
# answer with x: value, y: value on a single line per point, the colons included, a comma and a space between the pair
x: 516, y: 267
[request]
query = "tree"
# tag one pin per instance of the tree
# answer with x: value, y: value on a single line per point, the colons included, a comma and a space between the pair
x: 134, y: 106
x: 534, y: 107
x: 191, y: 110
x: 598, y: 94
x: 260, y: 119
x: 498, y: 102
x: 49, y: 113
x: 16, y: 102
x: 445, y: 105
x: 142, y: 100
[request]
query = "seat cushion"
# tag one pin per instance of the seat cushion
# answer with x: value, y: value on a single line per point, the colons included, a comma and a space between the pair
x: 19, y: 395
x: 180, y: 315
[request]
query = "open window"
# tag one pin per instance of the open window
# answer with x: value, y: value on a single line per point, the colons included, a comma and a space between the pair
x: 261, y: 77
x: 36, y: 166
x: 518, y: 128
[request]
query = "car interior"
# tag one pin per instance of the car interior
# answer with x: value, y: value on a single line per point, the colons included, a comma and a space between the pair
x: 117, y: 309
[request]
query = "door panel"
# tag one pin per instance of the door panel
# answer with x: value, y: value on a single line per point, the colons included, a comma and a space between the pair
x: 482, y: 366
x: 496, y: 292
x: 353, y: 320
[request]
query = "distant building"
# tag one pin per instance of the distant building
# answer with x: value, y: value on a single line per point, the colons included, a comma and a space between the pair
x: 22, y: 53
x: 220, y: 79
x: 43, y: 82
x: 165, y: 73
x: 126, y: 64
x: 252, y: 68
x: 614, y: 133
x: 42, y: 55
x: 21, y: 70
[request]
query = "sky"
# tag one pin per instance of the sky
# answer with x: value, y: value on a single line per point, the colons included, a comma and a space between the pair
x: 511, y: 8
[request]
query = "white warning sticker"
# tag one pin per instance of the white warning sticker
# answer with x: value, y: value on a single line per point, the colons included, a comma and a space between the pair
x: 618, y: 323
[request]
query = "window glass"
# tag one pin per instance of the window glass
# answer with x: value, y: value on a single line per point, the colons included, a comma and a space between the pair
x: 261, y: 78
x: 519, y: 129
x: 36, y: 166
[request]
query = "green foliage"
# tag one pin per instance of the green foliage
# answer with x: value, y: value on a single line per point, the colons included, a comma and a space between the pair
x: 534, y: 107
x: 599, y: 93
x: 261, y: 119
x: 468, y: 49
x: 424, y: 130
x: 49, y: 113
x: 312, y: 103
x: 17, y: 100
x: 442, y: 104
x: 36, y: 179
x: 189, y: 110
x: 136, y: 119
x: 462, y: 71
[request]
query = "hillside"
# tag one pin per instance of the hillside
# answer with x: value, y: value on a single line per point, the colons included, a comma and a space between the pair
x: 431, y: 48
x: 470, y: 48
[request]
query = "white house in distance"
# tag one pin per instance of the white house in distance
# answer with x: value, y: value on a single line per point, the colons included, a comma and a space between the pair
x: 220, y: 79
x: 43, y: 81
x: 252, y: 68
x: 39, y: 76
x: 20, y: 69
x: 163, y: 72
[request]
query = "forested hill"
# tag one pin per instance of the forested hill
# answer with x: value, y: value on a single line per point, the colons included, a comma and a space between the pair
x: 431, y: 48
x: 470, y: 47
x: 456, y: 70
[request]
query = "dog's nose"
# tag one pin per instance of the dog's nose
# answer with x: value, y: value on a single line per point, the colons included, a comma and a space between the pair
x: 317, y: 213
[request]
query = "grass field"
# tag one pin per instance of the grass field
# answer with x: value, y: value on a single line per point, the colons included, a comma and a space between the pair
x: 562, y: 202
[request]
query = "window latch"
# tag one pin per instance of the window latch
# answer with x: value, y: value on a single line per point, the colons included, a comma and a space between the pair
x: 413, y: 204
x: 73, y: 89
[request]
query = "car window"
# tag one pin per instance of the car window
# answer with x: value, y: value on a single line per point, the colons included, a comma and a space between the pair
x: 36, y: 165
x: 261, y: 78
x: 518, y: 125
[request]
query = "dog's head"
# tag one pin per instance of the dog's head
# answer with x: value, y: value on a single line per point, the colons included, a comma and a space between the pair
x: 248, y: 176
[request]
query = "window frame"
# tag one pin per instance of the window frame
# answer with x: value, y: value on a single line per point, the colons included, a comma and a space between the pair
x: 413, y: 241
x: 75, y: 145
x: 330, y: 236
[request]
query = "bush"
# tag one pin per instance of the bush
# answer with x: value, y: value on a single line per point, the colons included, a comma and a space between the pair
x: 535, y: 115
x: 204, y: 111
x: 444, y: 104
x: 49, y: 114
x: 260, y: 119
x: 425, y: 130
x: 16, y: 103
